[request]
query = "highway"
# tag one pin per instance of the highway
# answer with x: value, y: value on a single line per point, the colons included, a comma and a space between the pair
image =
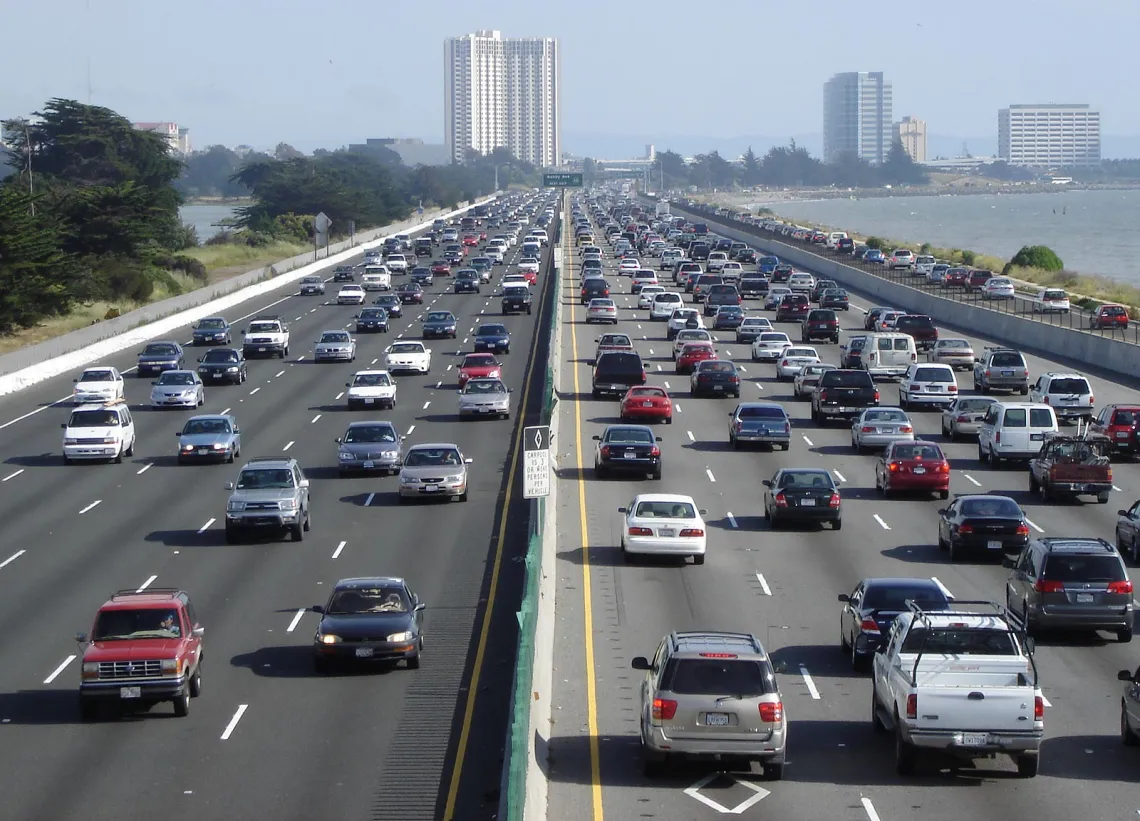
x: 782, y: 586
x: 268, y: 738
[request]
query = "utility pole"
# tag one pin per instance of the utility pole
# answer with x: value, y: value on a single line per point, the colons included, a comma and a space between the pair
x: 31, y: 181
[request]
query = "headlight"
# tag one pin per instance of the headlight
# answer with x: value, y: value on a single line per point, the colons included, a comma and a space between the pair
x: 288, y: 504
x: 69, y: 441
x: 220, y: 446
x: 408, y: 480
x: 405, y: 636
x: 172, y: 667
x: 328, y: 638
x: 187, y: 448
x: 456, y: 478
x: 110, y: 440
x: 231, y: 370
x: 90, y: 669
x: 344, y: 456
x: 235, y: 505
x: 189, y: 392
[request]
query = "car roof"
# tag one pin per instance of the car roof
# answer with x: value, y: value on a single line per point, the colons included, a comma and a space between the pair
x: 368, y: 581
x: 434, y: 446
x: 1076, y: 544
x: 370, y: 372
x: 763, y: 405
x: 224, y: 416
x: 902, y: 580
x: 1064, y: 375
x: 363, y: 422
x: 266, y: 461
x: 131, y: 599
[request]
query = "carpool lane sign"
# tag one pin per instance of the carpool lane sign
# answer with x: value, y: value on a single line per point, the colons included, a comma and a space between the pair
x: 536, y: 462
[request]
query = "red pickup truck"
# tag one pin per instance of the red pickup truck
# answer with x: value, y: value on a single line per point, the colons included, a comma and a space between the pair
x: 1072, y: 466
x: 145, y: 647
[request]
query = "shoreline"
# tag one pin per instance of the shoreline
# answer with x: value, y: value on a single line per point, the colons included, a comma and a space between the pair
x: 763, y: 197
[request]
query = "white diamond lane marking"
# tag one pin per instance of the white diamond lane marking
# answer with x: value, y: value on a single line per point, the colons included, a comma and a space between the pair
x: 882, y: 524
x: 1033, y: 525
x: 339, y: 548
x: 809, y: 683
x: 146, y: 584
x: 287, y: 446
x: 869, y: 808
x: 731, y: 520
x: 55, y: 673
x: 234, y: 721
x: 91, y: 506
x: 945, y: 590
x: 12, y: 558
x: 710, y: 475
x: 206, y: 526
x: 691, y: 437
x: 295, y: 621
x: 972, y: 479
x: 839, y: 475
x: 760, y: 794
x: 763, y: 584
x: 810, y: 443
x: 13, y: 475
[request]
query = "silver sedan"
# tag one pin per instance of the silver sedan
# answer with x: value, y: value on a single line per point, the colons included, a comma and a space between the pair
x: 964, y: 416
x: 335, y: 346
x: 952, y: 351
x: 484, y: 397
x: 433, y: 471
x: 879, y: 427
x: 178, y: 389
x: 794, y: 360
x: 209, y: 438
x: 807, y: 380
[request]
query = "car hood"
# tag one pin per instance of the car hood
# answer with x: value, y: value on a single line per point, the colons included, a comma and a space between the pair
x: 263, y: 495
x: 204, y: 440
x: 484, y: 399
x: 172, y: 357
x: 92, y: 433
x: 366, y: 625
x: 131, y: 649
x: 209, y: 332
x: 372, y: 390
x: 365, y: 448
x: 172, y: 390
x: 333, y: 346
x: 433, y: 471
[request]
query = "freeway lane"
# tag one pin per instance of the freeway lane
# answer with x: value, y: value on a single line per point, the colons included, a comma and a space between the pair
x: 376, y: 745
x: 782, y: 586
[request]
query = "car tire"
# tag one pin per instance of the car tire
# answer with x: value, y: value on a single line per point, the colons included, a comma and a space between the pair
x: 944, y: 494
x: 837, y: 524
x: 297, y: 531
x: 699, y: 558
x: 462, y: 497
x: 1124, y: 635
x: 905, y: 754
x: 1028, y: 765
x: 182, y: 703
x: 772, y: 770
x: 308, y: 520
x: 88, y: 709
x: 1127, y: 737
x: 196, y: 681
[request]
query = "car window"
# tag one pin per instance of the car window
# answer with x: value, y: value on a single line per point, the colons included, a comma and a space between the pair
x: 805, y: 478
x: 265, y: 479
x: 371, y: 380
x: 1069, y: 385
x: 1014, y: 418
x: 883, y: 597
x: 902, y: 344
x: 960, y: 642
x: 761, y: 412
x: 120, y: 625
x: 916, y: 452
x: 429, y: 457
x: 1084, y: 568
x: 738, y: 677
x: 884, y: 415
x: 93, y: 419
x: 1007, y: 360
x: 439, y: 316
x: 884, y: 344
x: 160, y: 349
x: 96, y: 376
x: 369, y: 434
x: 205, y: 426
x: 993, y: 506
x: 666, y: 510
x: 933, y: 375
x: 407, y: 347
x: 334, y: 336
x: 368, y: 600
x: 485, y: 386
x: 629, y: 435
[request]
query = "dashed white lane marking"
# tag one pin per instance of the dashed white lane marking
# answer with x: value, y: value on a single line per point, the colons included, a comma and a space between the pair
x: 732, y: 520
x: 206, y: 526
x: 691, y: 437
x: 839, y: 475
x: 882, y: 524
x: 677, y: 407
x: 12, y: 558
x: 763, y: 584
x: 287, y: 445
x: 1045, y: 701
x: 743, y: 369
x: 810, y: 443
x: 339, y: 548
x: 809, y: 683
x: 146, y: 584
x: 972, y: 479
x: 279, y: 374
x: 710, y: 475
x: 55, y: 673
x: 368, y: 501
x: 143, y: 469
x: 945, y: 590
x: 651, y: 352
x: 667, y: 387
x: 426, y: 404
x: 234, y: 721
x: 465, y: 340
x: 1114, y: 487
x: 449, y: 367
x: 314, y: 419
x: 410, y: 429
x: 91, y: 506
x: 759, y: 387
x: 374, y: 361
x: 339, y: 395
x: 300, y: 358
x: 12, y: 475
x: 869, y: 808
x: 439, y: 383
x: 225, y: 411
x: 1033, y: 525
x: 295, y: 620
x: 255, y: 390
x: 659, y: 366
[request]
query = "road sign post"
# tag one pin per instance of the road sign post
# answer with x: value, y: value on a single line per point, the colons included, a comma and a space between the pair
x: 536, y: 462
x: 562, y: 180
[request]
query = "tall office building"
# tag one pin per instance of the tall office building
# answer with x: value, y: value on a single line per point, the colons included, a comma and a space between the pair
x: 912, y: 134
x: 1049, y: 136
x: 503, y: 93
x: 857, y: 116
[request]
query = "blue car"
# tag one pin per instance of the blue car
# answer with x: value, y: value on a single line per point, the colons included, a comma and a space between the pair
x: 875, y: 257
x: 492, y: 338
x: 767, y: 264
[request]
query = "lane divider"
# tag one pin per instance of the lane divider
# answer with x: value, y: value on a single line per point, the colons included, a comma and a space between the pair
x: 12, y: 558
x: 234, y: 722
x: 91, y: 506
x: 55, y: 673
x: 339, y: 548
x: 809, y: 683
x: 763, y: 584
x: 146, y: 584
x: 882, y: 524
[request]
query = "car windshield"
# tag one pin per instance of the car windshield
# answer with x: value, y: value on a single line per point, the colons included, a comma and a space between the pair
x: 739, y: 678
x: 916, y: 452
x: 1084, y: 567
x: 492, y: 330
x: 205, y: 426
x: 359, y: 434
x: 263, y: 327
x: 485, y: 386
x: 373, y: 313
x: 312, y: 280
x: 730, y: 310
x: 801, y: 353
x: 211, y: 324
x: 615, y: 340
x: 407, y: 347
x: 774, y: 337
x: 997, y: 507
x: 637, y: 436
x: 884, y: 415
x: 644, y: 392
x: 334, y: 336
x: 1007, y: 360
x: 761, y: 412
x: 894, y: 597
x: 388, y: 300
x: 220, y: 355
x: 176, y: 378
x: 431, y: 457
x: 371, y: 380
x: 96, y: 376
x: 967, y: 642
x: 93, y: 419
x: 120, y: 625
x: 265, y: 479
x: 368, y: 600
x: 806, y: 478
x: 440, y: 316
x: 160, y: 349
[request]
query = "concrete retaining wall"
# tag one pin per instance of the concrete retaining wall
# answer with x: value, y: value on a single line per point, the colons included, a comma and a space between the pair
x: 1091, y: 350
x: 28, y: 366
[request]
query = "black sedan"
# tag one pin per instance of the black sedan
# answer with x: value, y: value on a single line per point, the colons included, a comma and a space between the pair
x: 746, y: 257
x: 390, y: 303
x: 439, y: 324
x: 802, y: 495
x: 221, y: 365
x: 344, y: 273
x: 492, y: 338
x: 728, y: 318
x: 410, y: 293
x: 836, y: 299
x: 871, y: 609
x: 422, y: 275
x: 369, y: 619
x: 158, y: 357
x: 715, y: 377
x: 982, y: 523
x: 627, y: 449
x: 372, y: 320
x: 213, y: 330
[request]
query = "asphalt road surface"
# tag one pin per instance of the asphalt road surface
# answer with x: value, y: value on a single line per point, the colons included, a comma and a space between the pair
x: 268, y: 738
x: 782, y: 586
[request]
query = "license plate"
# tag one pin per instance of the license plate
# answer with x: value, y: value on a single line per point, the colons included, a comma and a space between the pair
x: 430, y: 488
x: 666, y: 531
x: 920, y: 471
x: 716, y: 719
x: 203, y: 450
x: 261, y: 350
x: 974, y: 739
x: 364, y: 652
x: 130, y: 692
x: 994, y: 544
x: 647, y: 404
x: 1084, y: 598
x: 368, y: 465
x: 1122, y: 434
x: 807, y: 502
x: 630, y: 455
x: 718, y: 387
x: 1007, y: 373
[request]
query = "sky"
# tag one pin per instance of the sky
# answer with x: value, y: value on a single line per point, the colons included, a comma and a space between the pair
x: 323, y: 74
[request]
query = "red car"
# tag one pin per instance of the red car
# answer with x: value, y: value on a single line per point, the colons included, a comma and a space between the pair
x: 647, y: 403
x: 956, y: 278
x: 1118, y: 423
x: 470, y: 240
x: 482, y: 236
x: 441, y: 268
x: 531, y: 277
x: 478, y: 366
x: 918, y: 466
x: 977, y: 280
x: 692, y: 353
x: 1109, y: 316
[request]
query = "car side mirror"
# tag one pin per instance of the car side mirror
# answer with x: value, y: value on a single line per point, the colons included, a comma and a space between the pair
x: 64, y: 426
x: 337, y: 440
x: 154, y: 382
x: 304, y: 483
x: 640, y: 663
x: 76, y: 381
x: 402, y: 438
x: 198, y: 632
x: 229, y: 485
x: 420, y: 606
x: 428, y: 350
x: 237, y: 430
x: 1122, y: 513
x: 178, y: 433
x: 316, y: 608
x: 82, y: 639
x: 468, y: 461
x: 201, y: 358
x: 843, y: 597
x: 767, y: 483
x: 242, y: 333
x: 780, y: 667
x: 1123, y: 675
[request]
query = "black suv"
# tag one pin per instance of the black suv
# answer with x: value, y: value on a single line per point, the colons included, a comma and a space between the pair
x: 1073, y: 584
x: 617, y: 372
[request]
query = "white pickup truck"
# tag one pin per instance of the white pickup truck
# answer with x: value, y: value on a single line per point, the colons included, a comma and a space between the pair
x: 960, y: 683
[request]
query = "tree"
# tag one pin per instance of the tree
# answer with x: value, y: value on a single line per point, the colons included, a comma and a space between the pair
x: 750, y: 168
x: 1035, y: 256
x: 37, y: 278
x: 284, y: 151
x: 208, y: 174
x: 899, y: 168
x: 672, y: 167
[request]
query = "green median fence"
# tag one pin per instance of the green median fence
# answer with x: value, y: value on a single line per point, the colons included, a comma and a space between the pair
x: 562, y: 180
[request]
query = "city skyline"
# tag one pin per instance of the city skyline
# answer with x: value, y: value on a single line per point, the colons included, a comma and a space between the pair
x: 858, y: 116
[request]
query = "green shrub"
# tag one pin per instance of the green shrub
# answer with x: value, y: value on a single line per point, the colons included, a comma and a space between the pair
x: 1035, y: 256
x: 875, y: 242
x: 968, y: 256
x: 925, y: 248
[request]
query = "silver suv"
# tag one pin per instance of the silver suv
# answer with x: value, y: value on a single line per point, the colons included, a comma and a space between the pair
x: 712, y: 695
x: 271, y: 494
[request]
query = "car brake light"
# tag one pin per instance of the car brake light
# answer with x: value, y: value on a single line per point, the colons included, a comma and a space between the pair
x: 988, y: 373
x: 606, y: 451
x: 640, y: 531
x: 912, y: 706
x: 1042, y: 586
x: 772, y: 713
x: 966, y: 529
x: 694, y: 533
x: 869, y: 626
x: 893, y: 466
x: 834, y: 501
x: 655, y: 451
x: 664, y: 709
x: 823, y: 395
x: 944, y: 467
x: 876, y: 396
x: 1120, y: 587
x: 1045, y: 399
x: 997, y: 437
x: 868, y: 429
x: 1038, y: 708
x: 906, y: 429
x: 962, y: 418
x: 780, y: 500
x: 953, y: 389
x: 1092, y: 399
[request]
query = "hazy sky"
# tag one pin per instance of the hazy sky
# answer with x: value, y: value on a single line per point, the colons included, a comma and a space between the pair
x: 327, y: 72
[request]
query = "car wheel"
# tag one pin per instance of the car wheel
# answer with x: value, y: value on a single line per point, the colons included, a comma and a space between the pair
x: 657, y: 474
x: 298, y: 532
x: 196, y: 681
x: 1124, y: 635
x: 905, y: 754
x: 1028, y: 764
x: 462, y: 496
x: 182, y: 703
x: 876, y: 722
x: 772, y: 770
x: 308, y: 520
x: 1127, y: 737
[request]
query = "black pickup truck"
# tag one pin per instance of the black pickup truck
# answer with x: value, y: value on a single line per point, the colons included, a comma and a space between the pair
x: 843, y: 393
x: 752, y: 286
x: 920, y: 328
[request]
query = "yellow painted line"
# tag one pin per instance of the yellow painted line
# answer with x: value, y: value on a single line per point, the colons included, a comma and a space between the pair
x: 485, y: 628
x: 587, y: 593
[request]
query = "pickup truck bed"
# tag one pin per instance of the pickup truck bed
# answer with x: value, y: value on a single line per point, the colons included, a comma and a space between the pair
x: 1072, y: 466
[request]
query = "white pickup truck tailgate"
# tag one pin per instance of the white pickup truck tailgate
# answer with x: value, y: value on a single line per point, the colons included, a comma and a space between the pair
x: 973, y: 693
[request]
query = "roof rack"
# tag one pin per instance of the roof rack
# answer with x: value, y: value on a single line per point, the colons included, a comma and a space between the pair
x: 150, y: 591
x: 257, y: 459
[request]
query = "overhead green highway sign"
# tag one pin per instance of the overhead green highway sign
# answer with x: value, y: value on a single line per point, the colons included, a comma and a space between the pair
x: 561, y: 180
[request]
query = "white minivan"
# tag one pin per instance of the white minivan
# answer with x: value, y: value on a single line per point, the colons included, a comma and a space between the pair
x: 889, y: 354
x: 1014, y: 430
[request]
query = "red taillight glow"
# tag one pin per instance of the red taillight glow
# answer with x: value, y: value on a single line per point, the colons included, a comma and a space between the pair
x: 834, y: 501
x: 869, y: 626
x: 1023, y: 530
x: 780, y: 499
x: 605, y: 450
x: 906, y: 429
x: 1038, y: 708
x: 953, y: 389
x: 876, y: 396
x: 655, y: 451
x: 912, y: 706
x: 664, y: 709
x: 1120, y: 587
x: 894, y: 466
x: 772, y: 713
x: 1045, y: 399
x: 962, y: 418
x: 944, y: 467
x: 640, y: 531
x: 718, y: 655
x: 867, y: 429
x: 693, y: 533
x: 1043, y: 586
x: 966, y: 529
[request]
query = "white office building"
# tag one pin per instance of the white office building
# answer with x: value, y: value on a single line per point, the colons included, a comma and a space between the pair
x: 911, y: 133
x: 1049, y: 136
x: 503, y: 92
x: 857, y: 116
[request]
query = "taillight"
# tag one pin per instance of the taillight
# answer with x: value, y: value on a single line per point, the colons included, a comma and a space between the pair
x: 869, y: 626
x: 780, y: 499
x: 1043, y: 586
x: 772, y: 713
x: 1023, y: 530
x: 1038, y: 708
x: 906, y: 429
x: 1092, y: 399
x: 912, y: 706
x: 953, y: 389
x: 988, y: 373
x: 655, y: 451
x: 966, y: 529
x: 868, y: 429
x: 997, y: 437
x: 739, y: 425
x: 785, y: 362
x: 876, y: 396
x: 1045, y: 399
x: 1120, y: 587
x: 664, y: 709
x: 894, y: 466
x: 962, y: 418
x: 606, y: 450
x: 640, y: 531
x: 823, y: 395
x: 944, y: 467
x: 834, y: 500
x: 692, y: 532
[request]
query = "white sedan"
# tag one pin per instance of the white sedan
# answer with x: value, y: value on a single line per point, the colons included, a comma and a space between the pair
x: 350, y: 295
x: 397, y: 262
x: 645, y: 296
x: 794, y: 360
x: 663, y: 524
x: 530, y: 264
x: 370, y: 388
x: 627, y: 266
x: 102, y: 384
x: 641, y: 278
x: 770, y: 346
x: 998, y: 288
x: 407, y: 357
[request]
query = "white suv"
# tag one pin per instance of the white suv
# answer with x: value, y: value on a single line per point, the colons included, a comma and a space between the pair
x: 1068, y: 394
x: 928, y: 384
x: 104, y: 431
